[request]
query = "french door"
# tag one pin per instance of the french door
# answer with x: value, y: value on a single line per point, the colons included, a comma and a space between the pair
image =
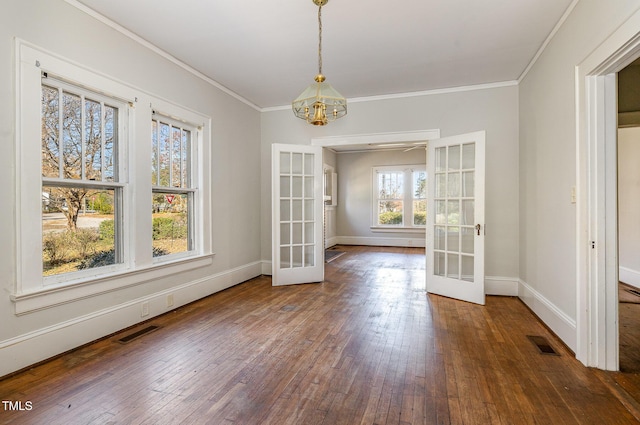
x: 297, y: 214
x: 455, y: 217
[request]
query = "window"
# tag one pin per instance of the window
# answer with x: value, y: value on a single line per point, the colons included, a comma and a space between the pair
x: 399, y: 199
x: 173, y: 192
x: 81, y: 187
x: 95, y: 164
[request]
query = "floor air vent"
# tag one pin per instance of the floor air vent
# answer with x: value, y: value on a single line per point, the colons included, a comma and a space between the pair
x: 137, y: 334
x: 542, y: 345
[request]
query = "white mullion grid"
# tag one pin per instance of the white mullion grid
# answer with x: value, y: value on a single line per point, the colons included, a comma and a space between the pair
x: 174, y: 190
x: 83, y: 137
x: 91, y: 184
x: 60, y: 132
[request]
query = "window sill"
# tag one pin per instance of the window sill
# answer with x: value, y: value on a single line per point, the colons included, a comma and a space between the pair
x: 389, y: 229
x: 52, y: 296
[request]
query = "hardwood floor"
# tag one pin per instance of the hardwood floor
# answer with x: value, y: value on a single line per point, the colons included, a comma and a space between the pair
x: 629, y: 325
x: 366, y: 346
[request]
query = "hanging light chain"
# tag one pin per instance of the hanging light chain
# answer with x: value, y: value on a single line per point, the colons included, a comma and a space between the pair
x: 320, y: 39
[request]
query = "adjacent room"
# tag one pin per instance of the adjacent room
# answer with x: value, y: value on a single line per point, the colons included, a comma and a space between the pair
x: 315, y: 211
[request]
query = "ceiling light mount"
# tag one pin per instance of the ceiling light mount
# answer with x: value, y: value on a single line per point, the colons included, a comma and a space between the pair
x: 320, y: 103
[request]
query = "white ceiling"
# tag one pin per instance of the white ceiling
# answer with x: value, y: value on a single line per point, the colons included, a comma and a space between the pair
x: 266, y: 52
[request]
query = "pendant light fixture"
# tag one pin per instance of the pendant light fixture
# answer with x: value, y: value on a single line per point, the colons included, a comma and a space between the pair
x: 320, y: 103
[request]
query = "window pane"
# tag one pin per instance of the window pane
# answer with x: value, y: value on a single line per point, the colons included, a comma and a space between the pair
x: 390, y: 185
x: 390, y: 213
x: 176, y: 160
x: 420, y: 184
x: 184, y: 154
x: 170, y: 223
x: 164, y: 155
x: 50, y: 132
x: 110, y: 143
x: 420, y: 212
x: 78, y: 229
x: 93, y: 140
x: 72, y: 136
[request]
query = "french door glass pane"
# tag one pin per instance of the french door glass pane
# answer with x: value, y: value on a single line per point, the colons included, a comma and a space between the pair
x: 454, y: 158
x: 441, y: 159
x: 467, y: 268
x: 296, y: 187
x: 467, y: 239
x: 296, y: 256
x: 468, y: 212
x: 309, y: 256
x: 308, y: 164
x: 453, y: 186
x: 285, y: 163
x: 469, y: 156
x: 285, y: 210
x: 285, y: 257
x: 285, y: 186
x: 285, y: 233
x: 439, y: 264
x: 297, y: 218
x: 453, y: 268
x: 468, y: 183
x: 454, y: 211
x: 297, y: 163
x: 296, y: 210
x: 308, y: 233
x: 296, y: 233
x: 441, y: 185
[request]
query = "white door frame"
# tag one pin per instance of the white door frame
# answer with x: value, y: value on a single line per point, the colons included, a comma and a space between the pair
x: 596, y: 216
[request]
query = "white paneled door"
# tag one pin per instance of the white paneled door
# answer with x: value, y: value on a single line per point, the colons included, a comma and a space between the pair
x: 455, y: 217
x: 297, y: 214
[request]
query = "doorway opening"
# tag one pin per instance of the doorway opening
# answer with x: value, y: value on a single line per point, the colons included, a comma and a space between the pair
x: 597, y: 188
x: 628, y: 177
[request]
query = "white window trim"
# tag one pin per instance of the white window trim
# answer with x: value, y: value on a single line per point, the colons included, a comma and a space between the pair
x: 30, y: 292
x: 407, y: 200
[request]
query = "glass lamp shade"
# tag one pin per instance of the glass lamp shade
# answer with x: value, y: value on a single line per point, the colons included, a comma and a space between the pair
x: 320, y: 103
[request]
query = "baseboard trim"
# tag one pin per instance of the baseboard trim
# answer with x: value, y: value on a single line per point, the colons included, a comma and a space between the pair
x: 503, y: 286
x: 34, y: 347
x: 379, y: 241
x: 629, y: 276
x: 558, y: 321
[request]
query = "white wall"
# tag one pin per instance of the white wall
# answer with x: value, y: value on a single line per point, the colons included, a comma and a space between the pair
x: 492, y: 109
x: 355, y: 193
x: 629, y: 205
x: 548, y: 163
x: 66, y: 31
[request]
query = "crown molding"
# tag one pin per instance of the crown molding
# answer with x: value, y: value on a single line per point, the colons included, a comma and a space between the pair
x: 413, y: 94
x: 158, y: 51
x: 552, y: 34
